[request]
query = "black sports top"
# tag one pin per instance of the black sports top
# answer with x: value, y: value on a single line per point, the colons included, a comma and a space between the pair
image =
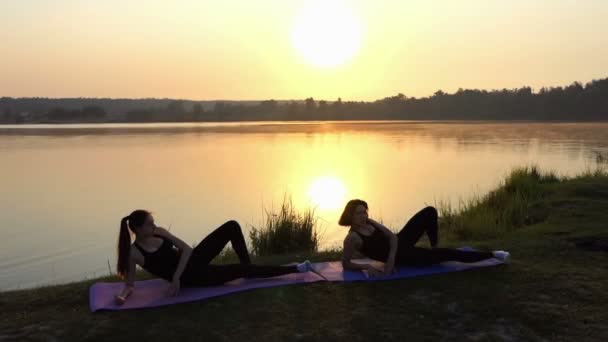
x: 375, y: 246
x: 162, y: 262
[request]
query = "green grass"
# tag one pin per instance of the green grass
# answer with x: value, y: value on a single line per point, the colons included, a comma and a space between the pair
x: 553, y: 290
x: 518, y: 201
x: 286, y: 231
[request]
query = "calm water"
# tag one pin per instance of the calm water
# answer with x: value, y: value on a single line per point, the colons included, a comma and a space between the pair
x: 64, y: 189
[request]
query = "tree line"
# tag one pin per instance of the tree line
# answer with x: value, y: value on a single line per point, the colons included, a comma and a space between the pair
x: 575, y: 102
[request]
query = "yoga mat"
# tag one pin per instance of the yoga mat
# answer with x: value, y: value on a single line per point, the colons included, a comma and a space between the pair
x: 151, y: 293
x: 332, y: 271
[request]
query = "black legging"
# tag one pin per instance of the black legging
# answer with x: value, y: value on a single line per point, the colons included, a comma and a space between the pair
x: 199, y: 272
x: 425, y: 221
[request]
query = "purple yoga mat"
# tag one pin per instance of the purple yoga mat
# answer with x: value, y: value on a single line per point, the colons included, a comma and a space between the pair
x: 151, y: 293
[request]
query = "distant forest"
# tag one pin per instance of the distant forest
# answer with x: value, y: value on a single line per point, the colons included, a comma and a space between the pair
x: 575, y: 102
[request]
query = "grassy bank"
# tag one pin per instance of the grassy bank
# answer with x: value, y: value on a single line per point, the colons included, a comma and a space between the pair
x: 555, y: 289
x: 518, y: 201
x: 286, y: 231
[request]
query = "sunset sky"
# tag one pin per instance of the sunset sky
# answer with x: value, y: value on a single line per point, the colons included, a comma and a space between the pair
x: 284, y: 49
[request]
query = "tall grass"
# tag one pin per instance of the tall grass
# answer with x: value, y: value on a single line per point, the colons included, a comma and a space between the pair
x: 515, y: 203
x: 600, y: 171
x: 286, y: 231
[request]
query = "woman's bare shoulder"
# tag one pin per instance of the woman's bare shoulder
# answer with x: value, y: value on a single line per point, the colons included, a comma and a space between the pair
x: 352, y: 238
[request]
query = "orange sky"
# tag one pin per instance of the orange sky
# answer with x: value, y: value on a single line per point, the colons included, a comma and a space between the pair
x: 231, y: 49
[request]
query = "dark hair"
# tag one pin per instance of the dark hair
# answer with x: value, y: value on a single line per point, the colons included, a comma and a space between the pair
x: 134, y: 220
x: 346, y: 219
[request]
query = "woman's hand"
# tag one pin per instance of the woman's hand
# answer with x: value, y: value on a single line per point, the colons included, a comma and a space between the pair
x: 373, y: 272
x: 120, y: 300
x: 389, y: 267
x: 173, y: 289
x: 122, y: 297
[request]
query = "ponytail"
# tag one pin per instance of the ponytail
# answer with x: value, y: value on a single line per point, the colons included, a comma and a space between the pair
x: 132, y: 222
x: 124, y: 248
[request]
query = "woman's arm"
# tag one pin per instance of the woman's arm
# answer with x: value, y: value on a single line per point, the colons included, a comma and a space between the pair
x: 129, y: 282
x: 352, y: 243
x: 185, y: 251
x: 393, y: 242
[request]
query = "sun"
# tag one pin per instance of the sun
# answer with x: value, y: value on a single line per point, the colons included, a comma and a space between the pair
x: 327, y: 192
x: 327, y: 33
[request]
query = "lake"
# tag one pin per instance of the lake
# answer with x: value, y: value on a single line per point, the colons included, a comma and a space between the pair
x: 64, y: 188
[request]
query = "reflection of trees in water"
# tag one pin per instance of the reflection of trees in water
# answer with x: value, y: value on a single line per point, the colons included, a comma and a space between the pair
x: 464, y: 133
x: 573, y: 140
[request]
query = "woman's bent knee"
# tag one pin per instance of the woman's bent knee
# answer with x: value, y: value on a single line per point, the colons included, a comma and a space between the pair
x: 430, y: 210
x: 232, y: 224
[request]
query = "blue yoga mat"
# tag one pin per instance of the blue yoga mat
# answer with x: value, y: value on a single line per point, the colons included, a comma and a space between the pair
x: 332, y: 271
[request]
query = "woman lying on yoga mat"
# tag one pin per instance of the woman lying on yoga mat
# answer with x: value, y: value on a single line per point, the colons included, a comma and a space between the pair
x: 161, y: 253
x: 377, y: 242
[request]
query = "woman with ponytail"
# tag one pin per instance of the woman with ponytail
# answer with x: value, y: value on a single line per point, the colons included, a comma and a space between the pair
x: 163, y: 254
